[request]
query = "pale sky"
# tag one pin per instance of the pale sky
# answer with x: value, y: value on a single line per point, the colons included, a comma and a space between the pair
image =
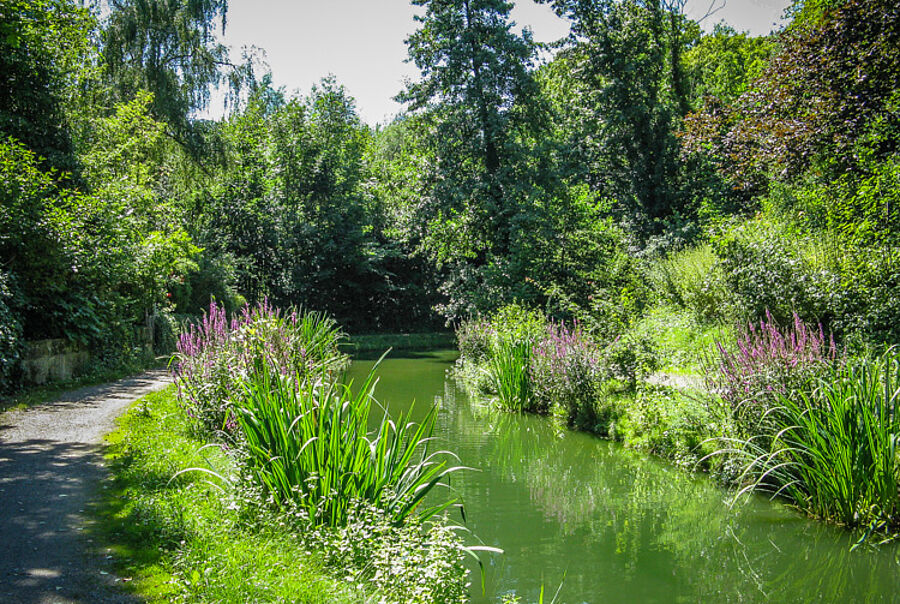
x: 361, y: 42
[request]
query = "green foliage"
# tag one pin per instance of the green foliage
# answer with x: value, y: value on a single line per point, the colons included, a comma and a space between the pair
x: 182, y: 539
x: 769, y: 268
x: 508, y: 368
x: 581, y: 263
x: 168, y: 48
x: 292, y: 211
x: 567, y: 374
x: 668, y: 422
x: 630, y: 96
x: 308, y: 448
x: 44, y: 45
x: 723, y: 64
x: 215, y: 356
x: 693, y: 278
x: 631, y: 357
x: 10, y: 337
x: 478, y: 109
x: 411, y: 563
x: 832, y: 450
x: 833, y: 77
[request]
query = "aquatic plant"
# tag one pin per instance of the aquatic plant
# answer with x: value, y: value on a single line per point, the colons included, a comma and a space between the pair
x: 833, y: 451
x: 308, y: 447
x: 215, y: 355
x: 767, y: 362
x: 567, y: 374
x: 508, y: 368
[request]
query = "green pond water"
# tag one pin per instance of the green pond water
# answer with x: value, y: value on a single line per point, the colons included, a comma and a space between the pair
x: 613, y: 525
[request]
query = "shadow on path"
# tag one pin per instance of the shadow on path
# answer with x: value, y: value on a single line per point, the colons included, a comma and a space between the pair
x: 51, y: 468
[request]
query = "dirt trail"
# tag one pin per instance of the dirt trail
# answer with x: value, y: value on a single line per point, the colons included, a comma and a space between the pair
x: 51, y: 466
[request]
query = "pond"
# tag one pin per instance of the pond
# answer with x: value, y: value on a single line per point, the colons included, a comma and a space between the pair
x: 606, y: 524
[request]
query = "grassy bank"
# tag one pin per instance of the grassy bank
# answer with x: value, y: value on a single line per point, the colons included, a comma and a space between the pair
x: 260, y: 478
x: 183, y: 539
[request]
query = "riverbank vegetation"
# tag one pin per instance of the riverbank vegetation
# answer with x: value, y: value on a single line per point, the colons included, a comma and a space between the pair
x: 259, y: 476
x: 778, y: 409
x: 603, y: 223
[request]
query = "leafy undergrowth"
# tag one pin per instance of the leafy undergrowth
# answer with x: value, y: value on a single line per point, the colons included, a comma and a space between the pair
x: 681, y: 342
x: 181, y: 539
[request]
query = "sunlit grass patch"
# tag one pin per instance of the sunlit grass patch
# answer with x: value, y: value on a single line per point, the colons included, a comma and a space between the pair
x: 181, y: 539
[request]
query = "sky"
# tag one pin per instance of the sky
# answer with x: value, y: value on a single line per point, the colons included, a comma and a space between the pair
x: 361, y: 42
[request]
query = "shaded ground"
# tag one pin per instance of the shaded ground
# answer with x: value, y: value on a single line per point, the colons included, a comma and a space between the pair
x: 51, y: 466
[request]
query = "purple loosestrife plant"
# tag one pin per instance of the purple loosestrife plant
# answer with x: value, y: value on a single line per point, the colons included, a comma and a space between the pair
x: 215, y: 356
x: 767, y: 362
x: 567, y: 374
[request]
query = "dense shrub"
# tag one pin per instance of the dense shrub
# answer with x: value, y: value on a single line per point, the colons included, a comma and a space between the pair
x: 693, y: 279
x: 216, y: 354
x: 417, y: 562
x: 473, y: 338
x: 10, y: 338
x: 536, y: 365
x: 767, y: 271
x: 631, y: 358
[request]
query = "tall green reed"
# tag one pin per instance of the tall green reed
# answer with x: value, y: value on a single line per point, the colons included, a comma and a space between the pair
x: 508, y: 369
x: 834, y: 449
x: 308, y: 446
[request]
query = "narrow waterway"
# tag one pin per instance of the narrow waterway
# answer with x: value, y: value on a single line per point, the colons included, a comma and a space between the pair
x: 612, y: 525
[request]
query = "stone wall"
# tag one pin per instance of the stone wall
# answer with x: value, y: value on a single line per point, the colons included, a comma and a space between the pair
x: 53, y: 361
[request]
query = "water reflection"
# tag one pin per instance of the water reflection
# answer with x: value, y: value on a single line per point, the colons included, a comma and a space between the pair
x: 619, y: 525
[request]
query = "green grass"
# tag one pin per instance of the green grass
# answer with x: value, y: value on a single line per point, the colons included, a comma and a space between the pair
x: 183, y: 539
x: 680, y: 340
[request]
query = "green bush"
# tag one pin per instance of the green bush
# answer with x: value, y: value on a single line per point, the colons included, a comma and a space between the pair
x: 631, y: 357
x: 767, y: 271
x: 693, y: 279
x: 417, y: 563
x: 11, y: 343
x: 668, y: 423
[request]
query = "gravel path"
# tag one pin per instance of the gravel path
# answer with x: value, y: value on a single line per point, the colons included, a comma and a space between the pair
x: 51, y: 466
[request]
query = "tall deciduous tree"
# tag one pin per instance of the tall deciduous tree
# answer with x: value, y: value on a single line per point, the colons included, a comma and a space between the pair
x: 169, y: 48
x: 628, y: 57
x: 475, y: 70
x: 42, y: 45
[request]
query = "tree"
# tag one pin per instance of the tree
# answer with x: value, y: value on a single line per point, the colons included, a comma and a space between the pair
x: 632, y: 93
x: 724, y: 63
x: 43, y: 44
x: 169, y: 48
x: 477, y: 106
x: 475, y: 71
x: 826, y: 102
